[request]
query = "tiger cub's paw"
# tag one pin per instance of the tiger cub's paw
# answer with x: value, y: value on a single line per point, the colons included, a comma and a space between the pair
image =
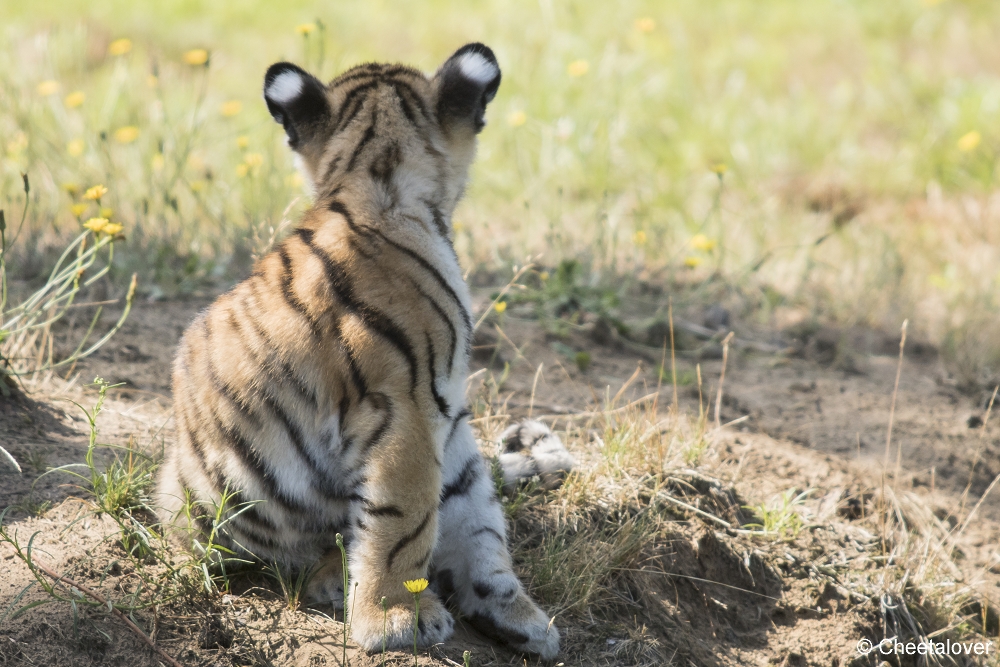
x: 435, y: 625
x: 531, y: 449
x: 521, y: 625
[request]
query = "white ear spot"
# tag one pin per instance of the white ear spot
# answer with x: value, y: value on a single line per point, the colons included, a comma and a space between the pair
x: 285, y: 87
x: 475, y: 66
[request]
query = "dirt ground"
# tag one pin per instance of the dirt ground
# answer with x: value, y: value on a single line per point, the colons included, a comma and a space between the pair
x: 803, y: 419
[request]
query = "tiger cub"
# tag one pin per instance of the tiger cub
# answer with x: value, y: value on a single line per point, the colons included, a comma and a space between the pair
x: 328, y: 387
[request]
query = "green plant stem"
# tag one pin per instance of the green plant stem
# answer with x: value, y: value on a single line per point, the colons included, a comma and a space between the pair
x: 416, y: 624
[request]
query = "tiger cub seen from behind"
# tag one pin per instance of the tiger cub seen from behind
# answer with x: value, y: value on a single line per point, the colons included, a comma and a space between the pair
x: 328, y: 387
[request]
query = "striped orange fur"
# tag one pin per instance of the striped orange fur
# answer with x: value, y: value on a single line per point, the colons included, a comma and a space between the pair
x: 327, y: 389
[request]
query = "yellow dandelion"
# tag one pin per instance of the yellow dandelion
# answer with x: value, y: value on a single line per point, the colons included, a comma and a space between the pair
x: 157, y: 162
x: 120, y: 47
x: 702, y: 242
x: 242, y: 141
x: 127, y: 134
x: 544, y: 275
x: 112, y: 228
x: 645, y: 24
x: 294, y: 180
x: 95, y: 193
x: 692, y: 262
x: 517, y: 119
x: 639, y: 238
x: 231, y: 108
x: 152, y: 81
x: 242, y: 169
x: 254, y: 159
x: 415, y: 585
x: 46, y: 88
x: 720, y: 168
x: 74, y: 99
x: 458, y: 226
x: 78, y: 209
x: 196, y: 57
x: 96, y: 224
x: 71, y: 188
x: 198, y: 186
x: 106, y: 213
x: 75, y: 147
x: 305, y: 29
x: 500, y: 306
x: 969, y: 141
x: 578, y: 68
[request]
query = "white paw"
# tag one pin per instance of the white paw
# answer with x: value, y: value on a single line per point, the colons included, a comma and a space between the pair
x: 531, y: 449
x: 435, y: 625
x: 522, y: 625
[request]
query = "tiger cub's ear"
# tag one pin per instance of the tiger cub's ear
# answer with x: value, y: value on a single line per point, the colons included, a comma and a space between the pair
x: 297, y: 100
x: 465, y: 84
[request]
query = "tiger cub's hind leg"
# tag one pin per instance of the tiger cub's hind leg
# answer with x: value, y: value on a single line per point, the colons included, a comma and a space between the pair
x: 471, y: 564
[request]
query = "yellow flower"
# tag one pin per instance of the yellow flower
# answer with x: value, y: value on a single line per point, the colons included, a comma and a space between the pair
x: 120, y: 47
x: 305, y: 28
x: 692, y: 262
x: 254, y: 159
x: 78, y: 209
x: 157, y: 162
x: 458, y: 226
x: 969, y: 141
x: 544, y: 275
x: 242, y: 141
x: 95, y: 192
x: 75, y: 99
x: 517, y: 119
x: 96, y: 224
x: 72, y: 188
x: 500, y: 306
x: 720, y: 168
x: 645, y: 24
x: 231, y: 108
x: 415, y: 585
x: 152, y: 81
x: 198, y: 186
x: 702, y: 242
x: 75, y: 147
x: 639, y: 238
x: 294, y: 180
x: 112, y: 228
x: 18, y: 143
x: 106, y: 212
x: 46, y: 88
x: 241, y: 170
x: 127, y: 134
x: 578, y: 68
x: 196, y: 57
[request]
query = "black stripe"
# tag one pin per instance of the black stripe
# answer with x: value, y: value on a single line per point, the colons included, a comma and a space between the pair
x: 383, y: 403
x: 490, y: 531
x: 329, y: 171
x: 288, y: 293
x: 365, y: 138
x: 405, y: 104
x: 454, y: 426
x: 463, y: 484
x: 383, y: 166
x: 358, y: 104
x: 371, y: 317
x: 277, y: 369
x: 438, y: 398
x: 407, y: 539
x: 357, y: 378
x: 408, y: 99
x: 382, y: 510
x: 438, y: 277
x: 452, y: 334
x: 438, y: 217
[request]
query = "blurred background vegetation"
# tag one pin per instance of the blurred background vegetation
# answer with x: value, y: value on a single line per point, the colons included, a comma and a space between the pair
x: 835, y: 159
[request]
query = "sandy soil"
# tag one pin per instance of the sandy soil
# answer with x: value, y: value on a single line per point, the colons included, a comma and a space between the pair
x: 808, y: 423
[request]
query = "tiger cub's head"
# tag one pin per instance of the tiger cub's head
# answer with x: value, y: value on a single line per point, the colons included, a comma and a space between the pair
x: 389, y: 125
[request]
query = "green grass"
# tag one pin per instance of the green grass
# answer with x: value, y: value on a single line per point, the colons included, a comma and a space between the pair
x: 853, y: 190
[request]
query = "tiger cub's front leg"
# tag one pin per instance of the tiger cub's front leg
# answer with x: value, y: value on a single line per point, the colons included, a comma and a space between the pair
x: 472, y: 566
x: 396, y: 523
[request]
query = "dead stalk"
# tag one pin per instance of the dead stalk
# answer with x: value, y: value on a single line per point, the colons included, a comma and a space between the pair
x: 722, y: 378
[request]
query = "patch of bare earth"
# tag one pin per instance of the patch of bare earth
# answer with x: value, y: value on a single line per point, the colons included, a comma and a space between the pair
x: 676, y: 574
